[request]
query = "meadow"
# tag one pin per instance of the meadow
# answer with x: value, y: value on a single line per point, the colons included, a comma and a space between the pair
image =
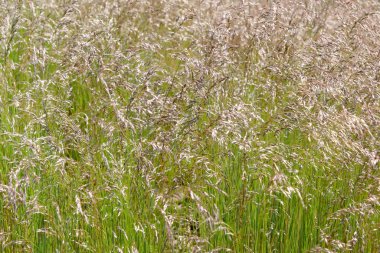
x: 189, y: 126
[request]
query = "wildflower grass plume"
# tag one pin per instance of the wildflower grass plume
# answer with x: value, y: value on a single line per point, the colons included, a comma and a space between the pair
x: 189, y: 126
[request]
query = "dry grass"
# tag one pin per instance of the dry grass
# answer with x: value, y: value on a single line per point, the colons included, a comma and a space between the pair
x: 189, y: 126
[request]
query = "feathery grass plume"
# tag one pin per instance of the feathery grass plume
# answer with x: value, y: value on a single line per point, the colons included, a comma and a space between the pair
x: 189, y: 126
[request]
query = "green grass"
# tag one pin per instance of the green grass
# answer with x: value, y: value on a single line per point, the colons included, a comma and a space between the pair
x: 171, y: 131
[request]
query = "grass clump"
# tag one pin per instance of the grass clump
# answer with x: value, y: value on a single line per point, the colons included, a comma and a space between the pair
x: 189, y: 126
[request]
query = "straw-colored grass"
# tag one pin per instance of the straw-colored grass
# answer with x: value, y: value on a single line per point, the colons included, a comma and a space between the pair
x: 189, y: 126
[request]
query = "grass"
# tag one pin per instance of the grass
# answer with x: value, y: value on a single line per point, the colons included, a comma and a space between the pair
x: 189, y: 126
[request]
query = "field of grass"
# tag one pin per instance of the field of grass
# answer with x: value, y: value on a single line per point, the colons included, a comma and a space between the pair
x: 189, y: 126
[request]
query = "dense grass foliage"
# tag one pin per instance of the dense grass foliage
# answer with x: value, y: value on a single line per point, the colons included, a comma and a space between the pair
x: 189, y: 126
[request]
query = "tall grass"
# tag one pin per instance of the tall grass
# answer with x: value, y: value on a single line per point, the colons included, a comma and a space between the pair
x: 189, y: 126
